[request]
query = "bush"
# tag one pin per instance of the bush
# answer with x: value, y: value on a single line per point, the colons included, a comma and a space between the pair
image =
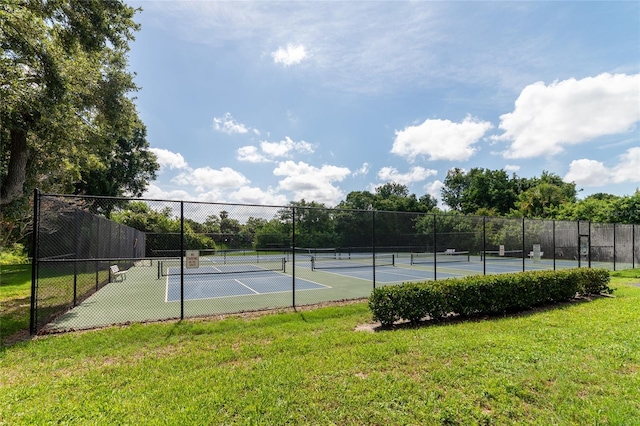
x: 14, y: 254
x: 484, y: 294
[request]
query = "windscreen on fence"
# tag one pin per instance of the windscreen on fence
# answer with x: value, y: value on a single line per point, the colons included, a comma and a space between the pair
x: 75, y: 251
x: 101, y: 261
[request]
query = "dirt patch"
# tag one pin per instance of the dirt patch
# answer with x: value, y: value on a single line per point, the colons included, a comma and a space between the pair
x: 369, y: 328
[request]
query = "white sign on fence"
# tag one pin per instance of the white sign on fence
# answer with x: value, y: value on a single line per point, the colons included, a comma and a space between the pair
x: 192, y: 259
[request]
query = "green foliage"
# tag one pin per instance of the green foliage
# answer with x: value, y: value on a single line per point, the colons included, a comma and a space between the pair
x: 605, y: 208
x: 15, y: 254
x: 161, y: 228
x: 69, y: 123
x: 484, y: 294
x: 468, y: 192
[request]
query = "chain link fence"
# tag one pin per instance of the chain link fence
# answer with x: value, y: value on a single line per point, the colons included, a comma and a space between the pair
x: 99, y: 261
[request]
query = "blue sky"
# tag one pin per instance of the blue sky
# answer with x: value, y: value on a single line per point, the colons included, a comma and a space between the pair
x: 272, y: 102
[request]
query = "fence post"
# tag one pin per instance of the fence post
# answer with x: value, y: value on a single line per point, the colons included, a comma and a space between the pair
x: 373, y: 244
x: 435, y: 250
x: 181, y: 260
x: 589, y: 245
x: 34, y: 261
x: 484, y: 245
x: 579, y: 246
x: 554, y: 243
x: 76, y: 235
x: 97, y: 254
x: 293, y: 255
x: 614, y: 246
x: 523, y: 245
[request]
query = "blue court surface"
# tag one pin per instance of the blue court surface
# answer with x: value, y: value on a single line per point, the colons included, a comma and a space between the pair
x: 234, y: 284
x: 404, y: 272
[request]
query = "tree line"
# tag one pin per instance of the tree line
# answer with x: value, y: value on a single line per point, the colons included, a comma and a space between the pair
x: 402, y: 221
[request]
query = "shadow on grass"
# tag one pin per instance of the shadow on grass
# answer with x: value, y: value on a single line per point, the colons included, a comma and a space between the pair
x: 15, y: 320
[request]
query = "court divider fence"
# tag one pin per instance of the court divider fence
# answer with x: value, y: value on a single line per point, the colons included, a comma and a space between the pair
x: 99, y: 261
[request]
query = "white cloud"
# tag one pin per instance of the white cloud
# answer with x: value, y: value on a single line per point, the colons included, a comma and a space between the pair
x: 363, y: 170
x: 628, y: 170
x: 440, y: 139
x: 273, y: 150
x: 227, y: 124
x: 312, y: 183
x: 511, y: 168
x: 415, y: 174
x: 283, y: 148
x: 250, y: 153
x: 570, y: 112
x: 434, y: 189
x: 166, y: 158
x: 587, y: 172
x: 290, y: 55
x: 253, y: 195
x: 206, y: 177
x: 157, y: 193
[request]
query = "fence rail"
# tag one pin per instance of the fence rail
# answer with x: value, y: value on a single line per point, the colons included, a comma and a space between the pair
x: 182, y: 259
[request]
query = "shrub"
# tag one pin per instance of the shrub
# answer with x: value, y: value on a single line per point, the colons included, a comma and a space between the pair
x: 14, y: 254
x: 484, y: 294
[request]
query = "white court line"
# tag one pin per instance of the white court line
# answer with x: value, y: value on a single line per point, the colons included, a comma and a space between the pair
x: 246, y: 286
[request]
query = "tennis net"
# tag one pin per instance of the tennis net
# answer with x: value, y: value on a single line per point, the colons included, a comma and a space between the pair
x: 168, y: 267
x: 352, y: 261
x: 439, y: 257
x: 501, y: 255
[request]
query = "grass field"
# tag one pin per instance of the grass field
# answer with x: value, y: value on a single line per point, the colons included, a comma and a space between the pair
x: 578, y: 363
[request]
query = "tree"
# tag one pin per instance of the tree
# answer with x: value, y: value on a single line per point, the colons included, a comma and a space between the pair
x: 452, y: 192
x: 65, y: 109
x: 468, y: 192
x: 536, y: 201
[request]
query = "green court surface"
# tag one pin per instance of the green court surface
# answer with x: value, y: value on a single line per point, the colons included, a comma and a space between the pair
x: 145, y: 295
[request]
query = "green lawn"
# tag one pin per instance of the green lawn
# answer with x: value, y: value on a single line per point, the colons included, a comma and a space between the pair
x: 578, y: 363
x: 15, y: 296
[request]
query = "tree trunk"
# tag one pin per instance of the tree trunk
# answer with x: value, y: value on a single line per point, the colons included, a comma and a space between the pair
x: 13, y: 185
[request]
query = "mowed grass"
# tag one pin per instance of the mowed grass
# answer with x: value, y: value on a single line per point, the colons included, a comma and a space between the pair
x: 15, y: 299
x: 578, y: 363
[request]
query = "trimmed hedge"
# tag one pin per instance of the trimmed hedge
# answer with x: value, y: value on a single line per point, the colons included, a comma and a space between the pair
x: 484, y: 294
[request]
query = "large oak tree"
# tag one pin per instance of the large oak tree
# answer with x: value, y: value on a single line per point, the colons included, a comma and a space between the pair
x: 68, y: 123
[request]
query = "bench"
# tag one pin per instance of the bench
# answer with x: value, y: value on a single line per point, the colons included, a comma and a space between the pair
x: 116, y: 272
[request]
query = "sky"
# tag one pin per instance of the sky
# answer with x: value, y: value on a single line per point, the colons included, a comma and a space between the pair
x: 264, y: 102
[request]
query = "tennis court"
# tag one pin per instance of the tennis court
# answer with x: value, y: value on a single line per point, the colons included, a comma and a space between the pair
x: 207, y: 284
x: 271, y: 257
x: 411, y: 267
